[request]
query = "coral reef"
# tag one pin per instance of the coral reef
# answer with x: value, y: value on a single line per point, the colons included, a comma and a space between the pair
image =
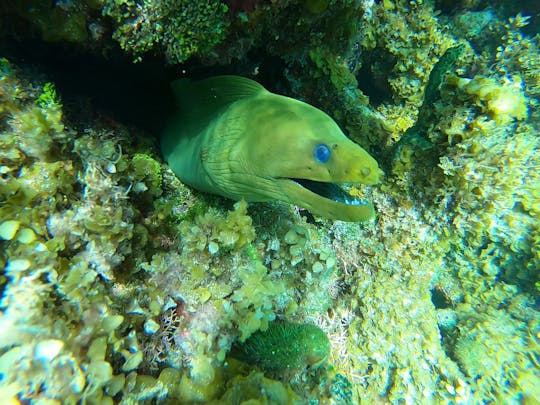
x: 64, y: 21
x: 121, y: 285
x: 141, y: 273
x: 180, y: 28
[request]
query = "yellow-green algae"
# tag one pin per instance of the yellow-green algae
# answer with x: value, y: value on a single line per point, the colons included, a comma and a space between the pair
x: 180, y: 28
x: 106, y: 299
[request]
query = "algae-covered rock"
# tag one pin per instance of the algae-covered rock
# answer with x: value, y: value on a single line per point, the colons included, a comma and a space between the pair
x: 255, y: 389
x: 179, y: 28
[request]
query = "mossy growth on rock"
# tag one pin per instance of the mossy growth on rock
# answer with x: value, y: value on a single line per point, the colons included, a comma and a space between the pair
x: 285, y: 346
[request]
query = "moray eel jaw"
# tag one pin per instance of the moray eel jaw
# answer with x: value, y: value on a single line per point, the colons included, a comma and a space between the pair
x: 330, y: 191
x: 326, y: 200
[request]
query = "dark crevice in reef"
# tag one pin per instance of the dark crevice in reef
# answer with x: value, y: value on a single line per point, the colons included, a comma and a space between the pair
x: 112, y: 85
x: 439, y: 299
x: 100, y: 79
x: 373, y: 76
x: 132, y: 93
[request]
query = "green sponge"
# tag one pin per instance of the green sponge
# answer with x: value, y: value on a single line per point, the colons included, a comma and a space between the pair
x: 285, y: 346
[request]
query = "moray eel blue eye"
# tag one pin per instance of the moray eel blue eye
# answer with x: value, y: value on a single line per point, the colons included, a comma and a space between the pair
x: 322, y: 153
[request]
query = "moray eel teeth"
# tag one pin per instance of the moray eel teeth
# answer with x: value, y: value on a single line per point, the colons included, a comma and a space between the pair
x: 330, y: 191
x: 234, y: 138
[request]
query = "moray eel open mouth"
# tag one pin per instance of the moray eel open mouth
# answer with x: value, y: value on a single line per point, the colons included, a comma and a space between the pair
x: 331, y: 191
x: 326, y: 199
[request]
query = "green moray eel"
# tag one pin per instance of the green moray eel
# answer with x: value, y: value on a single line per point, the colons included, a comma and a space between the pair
x: 234, y: 138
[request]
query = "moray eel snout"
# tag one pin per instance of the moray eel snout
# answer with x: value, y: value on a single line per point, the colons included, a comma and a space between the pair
x: 234, y: 138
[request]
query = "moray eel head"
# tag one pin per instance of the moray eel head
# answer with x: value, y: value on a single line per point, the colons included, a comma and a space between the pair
x: 235, y: 138
x: 307, y: 154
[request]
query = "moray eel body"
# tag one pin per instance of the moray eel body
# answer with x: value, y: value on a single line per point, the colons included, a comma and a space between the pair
x: 234, y: 138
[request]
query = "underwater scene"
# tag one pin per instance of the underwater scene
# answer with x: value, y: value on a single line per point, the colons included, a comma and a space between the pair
x: 269, y: 202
